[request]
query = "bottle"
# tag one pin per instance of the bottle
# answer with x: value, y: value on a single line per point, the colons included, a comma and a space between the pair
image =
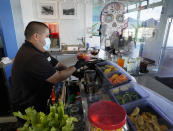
x: 87, y: 46
x: 52, y: 96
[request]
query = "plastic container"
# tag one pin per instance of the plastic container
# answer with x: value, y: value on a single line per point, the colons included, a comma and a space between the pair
x: 130, y: 88
x: 146, y: 106
x: 98, y: 66
x: 119, y: 71
x: 106, y: 115
x: 117, y: 83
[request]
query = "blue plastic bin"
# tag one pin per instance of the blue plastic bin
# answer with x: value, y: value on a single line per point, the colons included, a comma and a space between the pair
x: 131, y: 87
x: 119, y: 71
x: 146, y: 106
x: 118, y: 84
x: 98, y: 67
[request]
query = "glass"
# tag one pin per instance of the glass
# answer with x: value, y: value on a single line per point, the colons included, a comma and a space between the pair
x: 120, y: 62
x: 131, y: 65
x: 125, y: 61
x: 108, y: 56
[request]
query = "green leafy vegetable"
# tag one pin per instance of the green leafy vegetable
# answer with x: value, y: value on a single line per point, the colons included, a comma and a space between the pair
x: 56, y: 120
x: 126, y: 97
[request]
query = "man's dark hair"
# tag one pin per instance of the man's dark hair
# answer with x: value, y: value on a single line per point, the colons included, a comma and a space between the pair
x: 34, y: 27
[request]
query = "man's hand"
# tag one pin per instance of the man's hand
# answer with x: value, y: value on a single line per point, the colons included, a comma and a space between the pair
x: 79, y: 64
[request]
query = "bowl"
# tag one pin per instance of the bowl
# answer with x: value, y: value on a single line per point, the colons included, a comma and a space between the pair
x: 94, y: 51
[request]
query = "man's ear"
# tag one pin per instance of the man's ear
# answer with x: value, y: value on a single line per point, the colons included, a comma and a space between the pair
x: 36, y: 36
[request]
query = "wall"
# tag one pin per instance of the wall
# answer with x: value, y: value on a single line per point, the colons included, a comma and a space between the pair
x: 88, y: 18
x: 170, y: 9
x: 70, y: 30
x: 7, y: 33
x: 18, y: 21
x: 27, y: 11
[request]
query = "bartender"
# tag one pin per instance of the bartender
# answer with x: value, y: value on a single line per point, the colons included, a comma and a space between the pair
x: 34, y: 71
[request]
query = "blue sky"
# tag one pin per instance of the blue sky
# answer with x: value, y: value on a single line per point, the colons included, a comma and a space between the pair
x: 146, y: 14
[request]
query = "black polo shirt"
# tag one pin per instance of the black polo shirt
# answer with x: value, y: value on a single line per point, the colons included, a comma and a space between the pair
x: 30, y: 70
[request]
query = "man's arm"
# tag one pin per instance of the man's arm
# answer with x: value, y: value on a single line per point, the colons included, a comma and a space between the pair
x: 57, y: 64
x: 64, y: 74
x: 61, y: 75
x: 60, y: 66
x: 42, y: 70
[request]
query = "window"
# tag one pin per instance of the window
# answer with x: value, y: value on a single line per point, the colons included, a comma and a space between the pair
x: 144, y: 3
x: 151, y: 13
x: 131, y: 15
x: 131, y: 6
x: 125, y: 8
x: 96, y: 19
x: 132, y: 23
x: 154, y: 1
x: 150, y: 19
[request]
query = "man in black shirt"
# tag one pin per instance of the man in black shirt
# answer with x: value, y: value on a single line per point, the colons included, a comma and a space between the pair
x: 34, y: 71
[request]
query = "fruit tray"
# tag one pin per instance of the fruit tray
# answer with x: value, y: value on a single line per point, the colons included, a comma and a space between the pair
x: 115, y: 76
